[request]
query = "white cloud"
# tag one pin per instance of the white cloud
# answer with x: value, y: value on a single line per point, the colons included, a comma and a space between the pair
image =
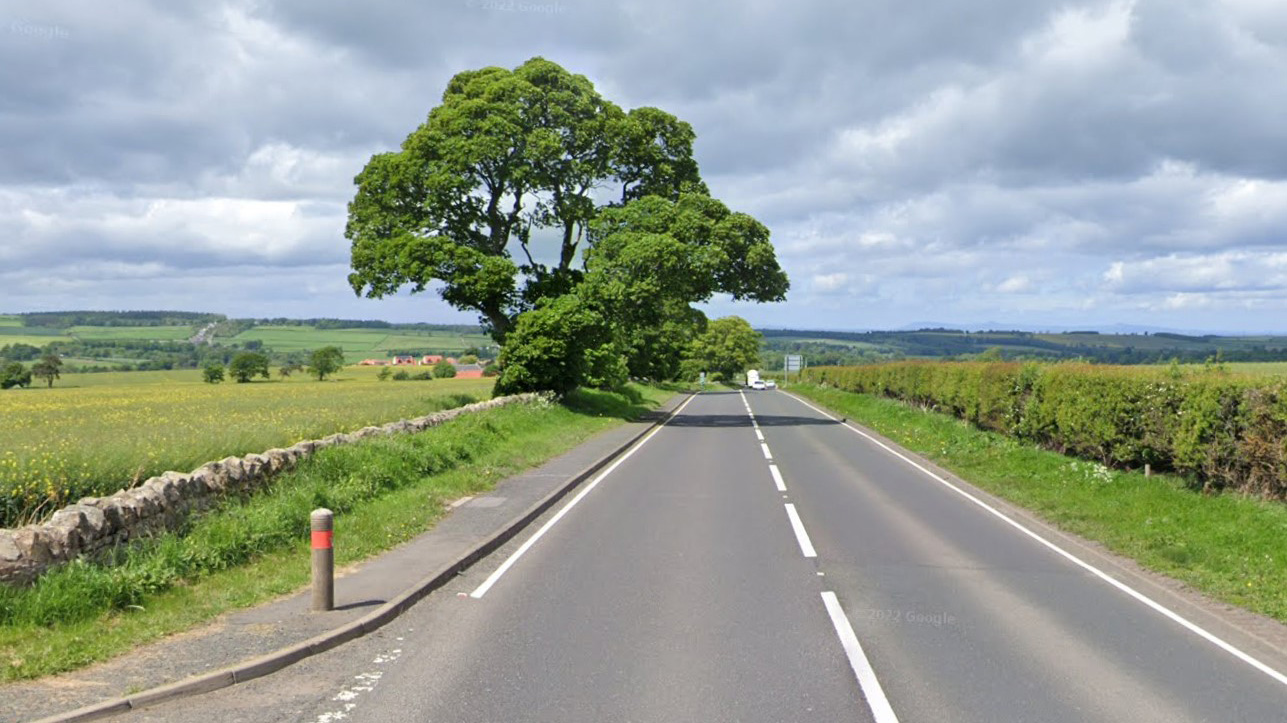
x: 830, y: 283
x: 1017, y: 284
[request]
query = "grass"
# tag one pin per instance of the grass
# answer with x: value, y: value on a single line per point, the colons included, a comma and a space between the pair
x: 1228, y: 546
x: 360, y: 343
x: 384, y: 491
x: 93, y: 434
x: 154, y: 333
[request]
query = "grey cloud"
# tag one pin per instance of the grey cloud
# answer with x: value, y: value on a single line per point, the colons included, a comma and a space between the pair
x: 990, y: 159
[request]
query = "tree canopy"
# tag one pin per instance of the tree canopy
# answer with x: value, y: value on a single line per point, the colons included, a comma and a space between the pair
x: 325, y: 361
x: 14, y: 374
x: 247, y: 365
x: 48, y: 368
x: 515, y: 162
x: 728, y: 347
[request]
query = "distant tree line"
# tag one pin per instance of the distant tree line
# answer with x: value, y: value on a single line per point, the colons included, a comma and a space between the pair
x: 142, y: 354
x: 64, y: 319
x: 826, y: 348
x: 332, y: 323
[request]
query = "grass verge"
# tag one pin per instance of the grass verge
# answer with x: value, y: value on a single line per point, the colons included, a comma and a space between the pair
x: 384, y: 492
x: 1228, y: 546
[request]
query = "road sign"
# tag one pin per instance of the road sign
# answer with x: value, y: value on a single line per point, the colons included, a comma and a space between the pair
x: 794, y: 363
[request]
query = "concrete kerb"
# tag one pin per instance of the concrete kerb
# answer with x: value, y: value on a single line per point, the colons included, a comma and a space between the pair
x: 274, y: 661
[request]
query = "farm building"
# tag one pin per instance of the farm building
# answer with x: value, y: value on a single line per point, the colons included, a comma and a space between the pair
x: 469, y: 371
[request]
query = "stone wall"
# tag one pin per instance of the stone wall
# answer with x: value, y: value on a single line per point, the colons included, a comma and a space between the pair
x: 96, y: 524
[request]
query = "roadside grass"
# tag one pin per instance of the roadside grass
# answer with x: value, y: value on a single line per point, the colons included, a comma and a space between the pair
x: 1229, y: 546
x: 69, y: 442
x: 384, y: 491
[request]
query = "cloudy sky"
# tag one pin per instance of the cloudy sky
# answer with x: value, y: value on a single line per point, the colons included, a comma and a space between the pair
x: 1025, y: 162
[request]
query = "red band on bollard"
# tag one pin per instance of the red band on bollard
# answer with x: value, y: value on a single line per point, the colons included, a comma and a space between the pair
x: 322, y: 540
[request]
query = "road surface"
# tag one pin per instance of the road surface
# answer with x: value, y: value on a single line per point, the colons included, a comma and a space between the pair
x: 756, y: 560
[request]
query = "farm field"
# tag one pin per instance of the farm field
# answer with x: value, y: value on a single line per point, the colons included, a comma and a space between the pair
x: 359, y: 344
x: 1259, y: 369
x: 92, y: 434
x: 15, y: 333
x: 156, y: 333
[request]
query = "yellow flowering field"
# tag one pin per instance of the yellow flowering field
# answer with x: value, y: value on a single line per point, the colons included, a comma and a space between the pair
x: 93, y: 434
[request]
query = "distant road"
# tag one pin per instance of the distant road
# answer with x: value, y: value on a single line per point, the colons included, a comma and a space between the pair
x: 780, y: 567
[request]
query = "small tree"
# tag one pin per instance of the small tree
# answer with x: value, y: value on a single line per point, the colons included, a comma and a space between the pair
x: 325, y: 361
x: 213, y: 373
x: 469, y: 359
x: 444, y: 369
x: 286, y: 370
x: 728, y: 347
x: 247, y: 365
x: 14, y: 374
x: 384, y: 374
x: 48, y: 368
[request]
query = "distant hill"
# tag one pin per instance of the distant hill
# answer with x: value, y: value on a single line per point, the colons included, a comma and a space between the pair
x: 843, y: 347
x: 126, y: 340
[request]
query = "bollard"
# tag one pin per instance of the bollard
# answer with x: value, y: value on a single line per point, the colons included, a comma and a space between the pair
x: 1148, y: 470
x: 322, y: 524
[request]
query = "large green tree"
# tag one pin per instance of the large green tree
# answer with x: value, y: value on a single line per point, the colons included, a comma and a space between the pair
x: 534, y: 156
x: 509, y: 158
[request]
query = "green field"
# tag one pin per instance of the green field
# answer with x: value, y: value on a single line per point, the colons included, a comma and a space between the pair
x: 35, y: 336
x: 156, y: 333
x: 359, y: 344
x: 92, y: 434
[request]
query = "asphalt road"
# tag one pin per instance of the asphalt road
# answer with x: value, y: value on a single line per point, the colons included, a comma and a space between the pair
x: 774, y: 566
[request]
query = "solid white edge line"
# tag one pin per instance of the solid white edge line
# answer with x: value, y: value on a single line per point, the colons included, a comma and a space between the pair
x: 482, y: 589
x: 802, y: 537
x: 1121, y: 586
x: 777, y: 478
x: 881, y: 711
x: 765, y: 448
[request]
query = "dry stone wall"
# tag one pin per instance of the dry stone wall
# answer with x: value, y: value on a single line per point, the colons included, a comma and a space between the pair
x: 97, y: 524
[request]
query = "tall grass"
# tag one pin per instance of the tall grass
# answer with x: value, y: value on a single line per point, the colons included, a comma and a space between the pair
x: 61, y: 444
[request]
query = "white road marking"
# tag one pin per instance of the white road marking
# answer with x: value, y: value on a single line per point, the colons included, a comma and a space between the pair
x: 801, y: 536
x: 482, y: 589
x: 366, y: 683
x: 765, y: 448
x: 1123, y: 587
x: 777, y: 478
x: 758, y: 434
x: 881, y: 711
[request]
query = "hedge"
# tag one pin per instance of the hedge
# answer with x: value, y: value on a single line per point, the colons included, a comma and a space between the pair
x: 1223, y: 431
